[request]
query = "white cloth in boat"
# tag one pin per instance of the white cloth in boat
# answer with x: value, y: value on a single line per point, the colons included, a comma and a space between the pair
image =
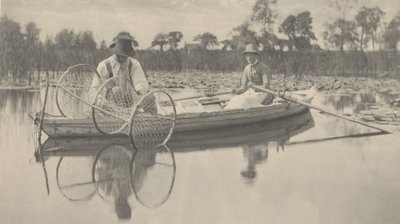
x: 248, y: 99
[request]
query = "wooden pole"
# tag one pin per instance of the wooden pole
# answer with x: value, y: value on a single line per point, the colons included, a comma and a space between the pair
x: 291, y: 99
x: 40, y: 137
x: 201, y: 95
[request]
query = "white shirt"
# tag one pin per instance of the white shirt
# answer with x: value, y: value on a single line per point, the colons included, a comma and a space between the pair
x: 137, y: 75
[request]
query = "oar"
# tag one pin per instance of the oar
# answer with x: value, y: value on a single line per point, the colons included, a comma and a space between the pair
x: 201, y: 95
x: 291, y: 99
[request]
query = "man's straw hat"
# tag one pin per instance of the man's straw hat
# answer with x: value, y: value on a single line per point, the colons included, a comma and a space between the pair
x: 251, y: 48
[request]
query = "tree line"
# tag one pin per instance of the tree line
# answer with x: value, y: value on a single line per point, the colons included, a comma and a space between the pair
x: 22, y: 53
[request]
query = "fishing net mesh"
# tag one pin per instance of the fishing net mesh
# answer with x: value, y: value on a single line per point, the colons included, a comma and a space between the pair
x: 111, y: 172
x: 116, y: 97
x: 153, y: 175
x: 153, y: 120
x: 74, y: 92
x: 74, y: 178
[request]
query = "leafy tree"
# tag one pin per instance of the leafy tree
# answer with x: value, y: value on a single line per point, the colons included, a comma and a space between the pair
x: 174, y: 38
x: 161, y: 39
x: 227, y: 43
x: 86, y: 47
x: 32, y: 49
x: 66, y: 48
x: 264, y: 15
x: 206, y: 39
x: 341, y: 33
x: 243, y: 35
x: 392, y: 33
x: 304, y: 31
x: 288, y: 27
x: 50, y: 56
x: 11, y: 46
x: 85, y: 41
x: 368, y: 19
x: 299, y: 30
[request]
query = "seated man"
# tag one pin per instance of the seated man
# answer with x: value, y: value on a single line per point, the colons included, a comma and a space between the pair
x: 255, y: 73
x: 122, y: 64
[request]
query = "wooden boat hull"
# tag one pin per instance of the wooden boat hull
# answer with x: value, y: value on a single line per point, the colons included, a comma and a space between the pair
x: 280, y: 130
x: 64, y: 127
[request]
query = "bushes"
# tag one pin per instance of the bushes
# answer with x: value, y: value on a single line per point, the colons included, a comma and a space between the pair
x: 350, y: 63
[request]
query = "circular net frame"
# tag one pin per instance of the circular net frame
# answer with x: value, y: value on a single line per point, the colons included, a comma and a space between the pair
x: 116, y: 98
x: 74, y: 178
x: 111, y: 172
x: 74, y: 93
x: 152, y: 173
x: 153, y: 120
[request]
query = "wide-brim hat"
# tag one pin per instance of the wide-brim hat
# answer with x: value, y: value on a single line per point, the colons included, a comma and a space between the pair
x: 251, y: 48
x: 122, y: 44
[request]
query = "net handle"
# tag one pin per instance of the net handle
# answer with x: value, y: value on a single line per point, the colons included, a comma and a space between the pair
x: 134, y: 112
x: 62, y: 77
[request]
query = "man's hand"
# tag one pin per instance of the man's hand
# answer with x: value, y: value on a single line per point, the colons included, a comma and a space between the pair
x: 240, y: 91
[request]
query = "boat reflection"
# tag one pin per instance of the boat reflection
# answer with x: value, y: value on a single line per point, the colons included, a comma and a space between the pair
x: 110, y: 169
x: 259, y: 133
x: 114, y: 172
x: 255, y: 140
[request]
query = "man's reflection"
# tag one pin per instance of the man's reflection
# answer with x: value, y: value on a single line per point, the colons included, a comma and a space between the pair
x: 254, y: 154
x: 116, y: 174
x: 257, y: 153
x: 112, y: 178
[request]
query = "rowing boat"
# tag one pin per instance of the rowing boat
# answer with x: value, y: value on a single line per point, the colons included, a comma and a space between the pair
x: 204, y: 113
x: 279, y: 130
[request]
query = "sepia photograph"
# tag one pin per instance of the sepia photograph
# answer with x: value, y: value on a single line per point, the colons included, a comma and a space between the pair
x: 199, y: 111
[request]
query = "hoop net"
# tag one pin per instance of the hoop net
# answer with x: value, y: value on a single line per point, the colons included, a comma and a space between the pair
x: 153, y: 120
x: 152, y: 173
x: 74, y: 93
x: 111, y: 172
x: 116, y: 97
x: 74, y: 178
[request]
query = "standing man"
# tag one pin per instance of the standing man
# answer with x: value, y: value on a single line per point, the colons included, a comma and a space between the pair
x: 122, y: 63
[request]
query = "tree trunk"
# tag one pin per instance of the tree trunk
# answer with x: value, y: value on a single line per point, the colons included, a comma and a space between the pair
x: 30, y: 73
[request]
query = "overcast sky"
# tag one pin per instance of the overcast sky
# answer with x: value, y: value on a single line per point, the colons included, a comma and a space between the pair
x: 145, y: 18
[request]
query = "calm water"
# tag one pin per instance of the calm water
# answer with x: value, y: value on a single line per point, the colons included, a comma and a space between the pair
x: 259, y: 176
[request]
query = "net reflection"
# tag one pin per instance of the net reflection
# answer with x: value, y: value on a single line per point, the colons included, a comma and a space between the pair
x: 111, y: 170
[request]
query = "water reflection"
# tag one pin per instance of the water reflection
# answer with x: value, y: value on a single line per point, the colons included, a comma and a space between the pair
x: 278, y: 130
x: 255, y: 154
x: 255, y: 140
x: 110, y: 169
x: 305, y: 180
x: 354, y: 103
x: 113, y: 171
